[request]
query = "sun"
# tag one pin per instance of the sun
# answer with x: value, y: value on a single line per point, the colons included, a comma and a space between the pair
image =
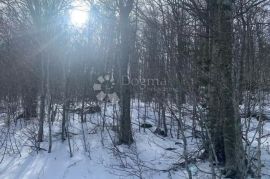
x: 79, y: 14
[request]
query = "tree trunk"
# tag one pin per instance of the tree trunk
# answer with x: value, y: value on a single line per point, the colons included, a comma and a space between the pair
x: 222, y: 54
x: 125, y: 123
x: 42, y: 97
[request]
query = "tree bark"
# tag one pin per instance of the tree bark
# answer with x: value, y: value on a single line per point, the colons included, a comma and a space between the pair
x: 125, y: 121
x: 226, y: 117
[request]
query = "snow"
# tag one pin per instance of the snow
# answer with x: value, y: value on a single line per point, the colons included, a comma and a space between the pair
x: 103, y: 158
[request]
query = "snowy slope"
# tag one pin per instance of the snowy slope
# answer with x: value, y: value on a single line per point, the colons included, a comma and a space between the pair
x: 146, y: 158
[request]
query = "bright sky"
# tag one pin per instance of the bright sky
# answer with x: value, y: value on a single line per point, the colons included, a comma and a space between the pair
x: 79, y: 14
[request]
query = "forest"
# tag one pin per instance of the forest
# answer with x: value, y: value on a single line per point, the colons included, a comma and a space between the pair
x: 147, y: 89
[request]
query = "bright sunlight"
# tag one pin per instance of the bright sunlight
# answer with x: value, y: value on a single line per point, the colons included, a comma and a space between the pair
x: 79, y: 14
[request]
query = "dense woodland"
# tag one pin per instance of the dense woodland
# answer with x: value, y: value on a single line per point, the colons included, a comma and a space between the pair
x: 205, y: 59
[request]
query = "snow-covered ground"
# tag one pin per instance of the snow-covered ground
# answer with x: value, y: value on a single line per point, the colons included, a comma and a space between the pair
x: 150, y: 157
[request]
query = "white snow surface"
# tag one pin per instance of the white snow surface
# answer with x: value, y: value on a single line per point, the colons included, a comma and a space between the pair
x: 147, y: 158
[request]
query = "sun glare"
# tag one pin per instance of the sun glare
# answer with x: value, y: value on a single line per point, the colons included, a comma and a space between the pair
x: 79, y: 14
